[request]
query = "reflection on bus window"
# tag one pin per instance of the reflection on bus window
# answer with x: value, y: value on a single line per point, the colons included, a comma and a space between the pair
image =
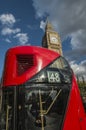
x: 7, y: 113
x: 45, y: 105
x: 55, y: 73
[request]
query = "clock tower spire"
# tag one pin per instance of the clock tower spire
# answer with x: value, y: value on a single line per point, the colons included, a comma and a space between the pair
x: 51, y: 39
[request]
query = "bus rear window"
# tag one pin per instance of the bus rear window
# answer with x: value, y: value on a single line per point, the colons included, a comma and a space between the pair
x: 43, y: 106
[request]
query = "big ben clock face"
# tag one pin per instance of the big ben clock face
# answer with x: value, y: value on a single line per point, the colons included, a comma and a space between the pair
x: 54, y: 39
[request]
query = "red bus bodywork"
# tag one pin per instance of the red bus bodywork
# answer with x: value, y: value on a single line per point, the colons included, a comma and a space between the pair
x: 41, y: 59
x: 75, y: 116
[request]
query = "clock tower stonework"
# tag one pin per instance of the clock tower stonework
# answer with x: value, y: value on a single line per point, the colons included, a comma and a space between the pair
x: 51, y: 39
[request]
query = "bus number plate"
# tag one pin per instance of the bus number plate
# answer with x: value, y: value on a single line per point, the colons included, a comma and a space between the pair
x: 53, y: 76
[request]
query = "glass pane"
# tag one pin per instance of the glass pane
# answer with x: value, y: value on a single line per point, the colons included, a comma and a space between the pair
x: 59, y: 63
x: 7, y: 110
x: 44, y: 106
x: 57, y: 72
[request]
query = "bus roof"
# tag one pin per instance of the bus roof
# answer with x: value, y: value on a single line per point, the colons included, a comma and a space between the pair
x: 23, y: 62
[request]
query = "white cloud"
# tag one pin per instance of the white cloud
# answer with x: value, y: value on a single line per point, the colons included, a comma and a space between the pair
x: 79, y: 69
x: 9, y: 31
x: 8, y: 40
x: 22, y: 38
x: 7, y: 19
x: 42, y: 25
x: 43, y: 6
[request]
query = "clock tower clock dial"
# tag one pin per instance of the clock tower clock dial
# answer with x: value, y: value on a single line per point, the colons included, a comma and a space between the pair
x: 53, y: 39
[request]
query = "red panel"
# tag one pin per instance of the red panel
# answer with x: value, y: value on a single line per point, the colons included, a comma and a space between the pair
x: 75, y: 118
x: 42, y: 58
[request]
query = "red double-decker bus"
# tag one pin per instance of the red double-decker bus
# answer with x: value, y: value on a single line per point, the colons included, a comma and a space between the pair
x: 39, y: 92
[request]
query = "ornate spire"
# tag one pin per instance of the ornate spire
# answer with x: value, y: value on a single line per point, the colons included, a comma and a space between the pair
x: 48, y: 25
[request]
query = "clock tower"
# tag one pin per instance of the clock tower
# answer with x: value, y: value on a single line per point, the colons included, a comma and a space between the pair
x: 51, y: 39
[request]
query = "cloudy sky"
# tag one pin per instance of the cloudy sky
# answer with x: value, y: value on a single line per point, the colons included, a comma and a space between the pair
x: 22, y: 23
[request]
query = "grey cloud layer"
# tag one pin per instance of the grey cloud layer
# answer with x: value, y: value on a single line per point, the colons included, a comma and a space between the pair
x: 69, y: 18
